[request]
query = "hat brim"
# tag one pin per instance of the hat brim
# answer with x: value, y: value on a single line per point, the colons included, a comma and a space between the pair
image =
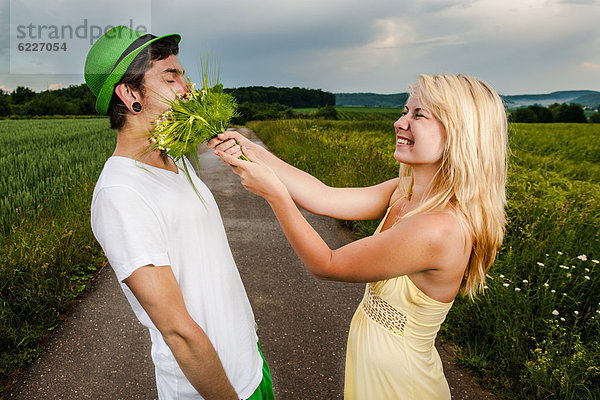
x: 115, y: 76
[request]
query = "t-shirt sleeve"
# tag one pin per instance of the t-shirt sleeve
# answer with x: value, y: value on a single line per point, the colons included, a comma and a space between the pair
x: 128, y: 230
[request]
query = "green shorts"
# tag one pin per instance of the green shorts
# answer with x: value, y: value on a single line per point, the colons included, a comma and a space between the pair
x: 264, y: 391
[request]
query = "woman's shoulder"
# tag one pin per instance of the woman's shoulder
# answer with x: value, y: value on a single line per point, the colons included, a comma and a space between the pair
x: 445, y: 221
x: 443, y: 230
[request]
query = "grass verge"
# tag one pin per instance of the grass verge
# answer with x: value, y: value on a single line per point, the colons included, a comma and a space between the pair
x: 535, y: 332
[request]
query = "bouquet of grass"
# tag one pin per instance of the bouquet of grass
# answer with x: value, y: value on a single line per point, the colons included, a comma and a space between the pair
x: 192, y: 119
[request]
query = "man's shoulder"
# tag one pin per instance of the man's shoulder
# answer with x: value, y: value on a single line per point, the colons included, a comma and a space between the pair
x: 120, y: 171
x: 119, y: 174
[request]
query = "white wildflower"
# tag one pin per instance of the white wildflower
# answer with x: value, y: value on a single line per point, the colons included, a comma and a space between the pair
x: 555, y: 312
x: 540, y: 264
x: 582, y: 257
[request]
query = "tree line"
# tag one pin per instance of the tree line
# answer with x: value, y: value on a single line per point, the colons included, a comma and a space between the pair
x: 255, y: 102
x: 553, y: 113
x: 292, y: 97
x: 24, y: 102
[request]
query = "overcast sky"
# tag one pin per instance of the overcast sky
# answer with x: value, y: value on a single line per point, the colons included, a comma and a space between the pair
x: 518, y: 46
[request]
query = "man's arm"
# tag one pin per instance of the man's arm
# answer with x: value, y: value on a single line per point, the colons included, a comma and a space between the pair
x: 158, y: 292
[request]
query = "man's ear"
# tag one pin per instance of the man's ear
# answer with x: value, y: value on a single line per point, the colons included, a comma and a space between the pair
x: 127, y: 95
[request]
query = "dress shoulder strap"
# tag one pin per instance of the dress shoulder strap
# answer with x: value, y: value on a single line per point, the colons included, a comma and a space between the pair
x: 397, y: 200
x: 386, y: 214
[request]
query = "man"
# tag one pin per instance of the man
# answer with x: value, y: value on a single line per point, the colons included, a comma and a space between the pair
x: 167, y: 247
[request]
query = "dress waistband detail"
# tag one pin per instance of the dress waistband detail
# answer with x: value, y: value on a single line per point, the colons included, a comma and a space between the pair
x: 383, y: 313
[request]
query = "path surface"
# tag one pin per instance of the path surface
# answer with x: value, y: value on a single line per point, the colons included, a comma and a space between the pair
x: 101, y: 352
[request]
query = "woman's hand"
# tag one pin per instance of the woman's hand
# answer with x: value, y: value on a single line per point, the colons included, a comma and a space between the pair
x: 257, y: 177
x: 231, y: 142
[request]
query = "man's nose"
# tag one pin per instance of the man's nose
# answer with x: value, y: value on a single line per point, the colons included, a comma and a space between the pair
x: 184, y: 88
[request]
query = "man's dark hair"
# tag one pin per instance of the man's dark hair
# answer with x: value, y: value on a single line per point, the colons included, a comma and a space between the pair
x: 134, y: 76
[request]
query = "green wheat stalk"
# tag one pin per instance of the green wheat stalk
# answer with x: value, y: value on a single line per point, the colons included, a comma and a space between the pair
x: 194, y: 118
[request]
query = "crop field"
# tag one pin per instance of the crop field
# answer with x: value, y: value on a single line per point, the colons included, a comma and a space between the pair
x: 47, y: 158
x: 48, y: 254
x: 535, y: 331
x: 367, y: 114
x: 361, y: 113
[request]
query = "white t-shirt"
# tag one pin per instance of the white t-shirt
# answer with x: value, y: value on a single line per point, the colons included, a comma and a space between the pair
x: 145, y: 215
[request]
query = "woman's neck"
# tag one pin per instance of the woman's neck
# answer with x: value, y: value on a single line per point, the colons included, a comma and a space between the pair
x: 423, y: 177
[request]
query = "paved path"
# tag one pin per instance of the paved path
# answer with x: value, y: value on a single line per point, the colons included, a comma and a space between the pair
x: 101, y: 352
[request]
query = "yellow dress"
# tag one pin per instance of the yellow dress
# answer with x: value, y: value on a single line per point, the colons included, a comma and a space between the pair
x: 391, y: 352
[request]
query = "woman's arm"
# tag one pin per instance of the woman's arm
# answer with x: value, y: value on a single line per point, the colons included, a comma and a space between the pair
x: 309, y: 192
x: 415, y: 244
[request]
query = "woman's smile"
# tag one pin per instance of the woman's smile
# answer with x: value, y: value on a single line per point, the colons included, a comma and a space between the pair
x: 404, y: 141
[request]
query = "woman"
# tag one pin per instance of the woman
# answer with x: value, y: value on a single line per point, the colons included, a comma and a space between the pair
x: 443, y: 221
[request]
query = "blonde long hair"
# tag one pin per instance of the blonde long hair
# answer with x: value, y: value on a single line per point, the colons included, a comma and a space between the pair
x: 472, y: 177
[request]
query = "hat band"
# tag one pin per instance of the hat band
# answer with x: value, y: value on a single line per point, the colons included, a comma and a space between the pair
x: 134, y: 45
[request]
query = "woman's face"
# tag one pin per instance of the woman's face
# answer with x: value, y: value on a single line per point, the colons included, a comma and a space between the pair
x: 420, y: 137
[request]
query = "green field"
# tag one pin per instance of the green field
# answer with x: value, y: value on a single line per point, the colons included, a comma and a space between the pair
x: 360, y: 113
x: 48, y: 254
x: 535, y: 333
x: 47, y: 158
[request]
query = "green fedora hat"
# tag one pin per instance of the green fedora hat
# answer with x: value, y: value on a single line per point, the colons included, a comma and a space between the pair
x: 109, y: 58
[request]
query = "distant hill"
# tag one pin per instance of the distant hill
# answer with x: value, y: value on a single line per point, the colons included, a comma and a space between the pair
x: 591, y: 99
x: 584, y: 97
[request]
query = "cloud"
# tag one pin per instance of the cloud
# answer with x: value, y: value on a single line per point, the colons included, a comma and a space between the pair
x: 391, y: 33
x: 583, y: 2
x: 54, y: 86
x: 380, y: 45
x: 591, y: 67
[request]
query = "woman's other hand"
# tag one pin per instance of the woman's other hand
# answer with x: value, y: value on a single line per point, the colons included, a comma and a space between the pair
x: 230, y: 142
x: 257, y: 177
